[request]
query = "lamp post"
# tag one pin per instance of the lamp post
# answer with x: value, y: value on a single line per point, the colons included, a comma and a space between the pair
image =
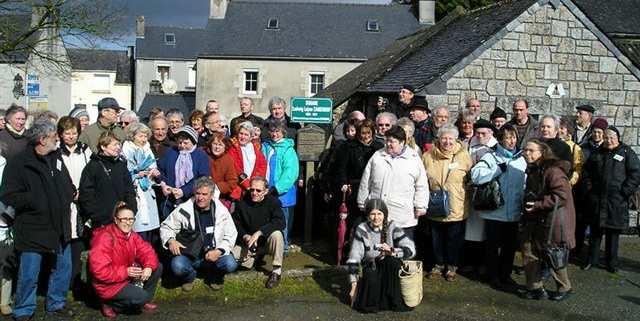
x: 18, y: 86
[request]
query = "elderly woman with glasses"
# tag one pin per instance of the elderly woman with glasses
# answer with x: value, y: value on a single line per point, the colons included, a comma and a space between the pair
x: 124, y: 268
x: 247, y: 156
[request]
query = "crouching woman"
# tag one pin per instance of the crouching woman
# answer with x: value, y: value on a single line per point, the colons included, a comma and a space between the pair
x: 124, y: 267
x: 379, y: 246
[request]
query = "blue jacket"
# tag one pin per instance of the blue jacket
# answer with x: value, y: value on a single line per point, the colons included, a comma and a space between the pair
x: 167, y: 166
x: 282, y: 169
x: 511, y: 183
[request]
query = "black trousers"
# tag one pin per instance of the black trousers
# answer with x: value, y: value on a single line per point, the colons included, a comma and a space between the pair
x: 612, y: 239
x: 132, y: 298
x: 501, y: 246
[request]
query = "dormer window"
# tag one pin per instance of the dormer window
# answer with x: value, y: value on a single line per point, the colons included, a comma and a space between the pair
x: 373, y: 26
x: 169, y: 39
x: 273, y: 23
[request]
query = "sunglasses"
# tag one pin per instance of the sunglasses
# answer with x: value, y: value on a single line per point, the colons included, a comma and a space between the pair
x: 384, y: 125
x: 251, y: 190
x: 125, y: 123
x: 126, y: 219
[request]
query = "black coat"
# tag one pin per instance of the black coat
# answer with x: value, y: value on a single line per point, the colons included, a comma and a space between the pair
x: 40, y: 190
x: 352, y: 159
x: 105, y: 181
x: 266, y: 216
x: 613, y: 176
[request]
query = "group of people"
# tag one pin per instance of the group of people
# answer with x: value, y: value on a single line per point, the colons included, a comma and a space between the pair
x: 196, y: 198
x: 466, y: 195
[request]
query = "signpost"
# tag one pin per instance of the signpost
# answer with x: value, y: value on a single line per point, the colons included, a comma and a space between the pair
x: 310, y: 144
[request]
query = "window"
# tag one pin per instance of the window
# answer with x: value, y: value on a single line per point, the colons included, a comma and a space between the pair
x: 316, y: 83
x: 191, y: 75
x: 102, y: 83
x: 163, y: 73
x: 251, y: 81
x: 373, y: 26
x: 169, y: 39
x: 272, y: 23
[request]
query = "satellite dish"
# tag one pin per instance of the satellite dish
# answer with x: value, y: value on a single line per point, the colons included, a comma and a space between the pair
x: 169, y: 86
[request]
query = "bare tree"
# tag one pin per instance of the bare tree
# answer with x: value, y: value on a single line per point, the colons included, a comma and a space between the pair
x: 53, y: 25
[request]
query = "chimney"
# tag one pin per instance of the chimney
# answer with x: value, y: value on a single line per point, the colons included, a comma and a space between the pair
x: 140, y: 27
x: 217, y: 9
x: 427, y: 12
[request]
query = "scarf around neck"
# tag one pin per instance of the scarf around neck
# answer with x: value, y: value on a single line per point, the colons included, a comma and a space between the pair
x: 184, y: 167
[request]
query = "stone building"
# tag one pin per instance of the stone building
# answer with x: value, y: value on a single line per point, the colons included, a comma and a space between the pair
x: 555, y: 53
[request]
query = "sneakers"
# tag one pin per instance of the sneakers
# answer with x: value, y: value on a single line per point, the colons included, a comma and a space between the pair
x: 108, y: 312
x: 273, y: 281
x: 149, y: 307
x: 187, y: 287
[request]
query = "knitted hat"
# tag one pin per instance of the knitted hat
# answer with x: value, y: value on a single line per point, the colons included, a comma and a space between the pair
x: 600, y: 123
x: 189, y: 132
x: 78, y: 111
x: 483, y: 123
x: 498, y: 113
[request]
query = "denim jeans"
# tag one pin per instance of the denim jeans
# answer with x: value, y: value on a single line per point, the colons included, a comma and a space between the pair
x: 27, y: 283
x: 288, y: 225
x: 186, y: 269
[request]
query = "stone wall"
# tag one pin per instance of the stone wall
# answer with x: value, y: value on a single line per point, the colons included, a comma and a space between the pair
x: 549, y: 46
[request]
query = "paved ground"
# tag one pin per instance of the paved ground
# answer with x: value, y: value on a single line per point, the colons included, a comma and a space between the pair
x: 599, y: 296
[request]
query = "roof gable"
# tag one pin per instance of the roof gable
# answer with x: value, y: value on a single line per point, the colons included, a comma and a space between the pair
x: 306, y: 30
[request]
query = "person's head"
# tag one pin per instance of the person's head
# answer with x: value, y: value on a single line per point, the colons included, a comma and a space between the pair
x: 377, y: 212
x: 159, y: 128
x: 80, y: 113
x: 498, y: 117
x: 258, y: 188
x: 196, y: 120
x: 16, y: 117
x: 175, y: 120
x: 109, y: 144
x: 484, y: 131
x: 473, y: 105
x: 212, y: 122
x: 465, y: 123
x: 203, y: 191
x: 3, y: 112
x: 245, y: 132
x: 357, y: 115
x: 277, y: 107
x: 419, y: 112
x: 520, y: 111
x: 218, y: 144
x: 128, y: 117
x: 277, y: 129
x: 406, y: 93
x: 124, y: 217
x: 138, y: 133
x: 384, y: 121
x: 45, y: 115
x: 246, y: 105
x: 611, y: 138
x: 508, y: 137
x: 108, y: 111
x: 440, y: 116
x: 536, y: 152
x: 565, y: 131
x: 395, y: 139
x: 584, y: 115
x: 156, y: 112
x: 365, y: 131
x: 187, y: 138
x: 407, y: 125
x: 43, y: 136
x: 68, y: 130
x: 447, y: 136
x: 549, y: 126
x: 599, y: 126
x: 224, y: 124
x: 349, y: 128
x: 212, y: 106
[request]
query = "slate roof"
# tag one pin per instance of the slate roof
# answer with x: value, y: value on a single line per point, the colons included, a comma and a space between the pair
x: 98, y: 60
x: 184, y: 101
x: 18, y: 24
x: 188, y: 42
x: 306, y: 30
x: 613, y: 17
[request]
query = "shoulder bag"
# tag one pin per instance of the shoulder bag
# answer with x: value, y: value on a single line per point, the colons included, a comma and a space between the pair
x: 488, y: 196
x: 439, y: 203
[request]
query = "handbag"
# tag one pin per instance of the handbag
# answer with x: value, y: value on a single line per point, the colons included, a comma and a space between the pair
x: 192, y: 241
x: 487, y: 196
x: 439, y: 204
x: 410, y: 275
x: 556, y: 255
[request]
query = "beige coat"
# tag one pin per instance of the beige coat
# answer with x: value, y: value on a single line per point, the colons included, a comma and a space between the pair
x: 437, y: 165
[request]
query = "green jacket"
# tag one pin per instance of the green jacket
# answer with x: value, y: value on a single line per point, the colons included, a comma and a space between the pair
x: 92, y: 133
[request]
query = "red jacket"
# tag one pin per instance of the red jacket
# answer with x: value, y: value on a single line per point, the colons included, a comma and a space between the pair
x: 259, y: 169
x: 112, y: 252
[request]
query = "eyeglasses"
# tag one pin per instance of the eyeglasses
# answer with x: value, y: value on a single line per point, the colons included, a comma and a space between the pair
x: 126, y: 219
x: 251, y: 190
x: 384, y: 125
x: 225, y: 126
x: 125, y: 123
